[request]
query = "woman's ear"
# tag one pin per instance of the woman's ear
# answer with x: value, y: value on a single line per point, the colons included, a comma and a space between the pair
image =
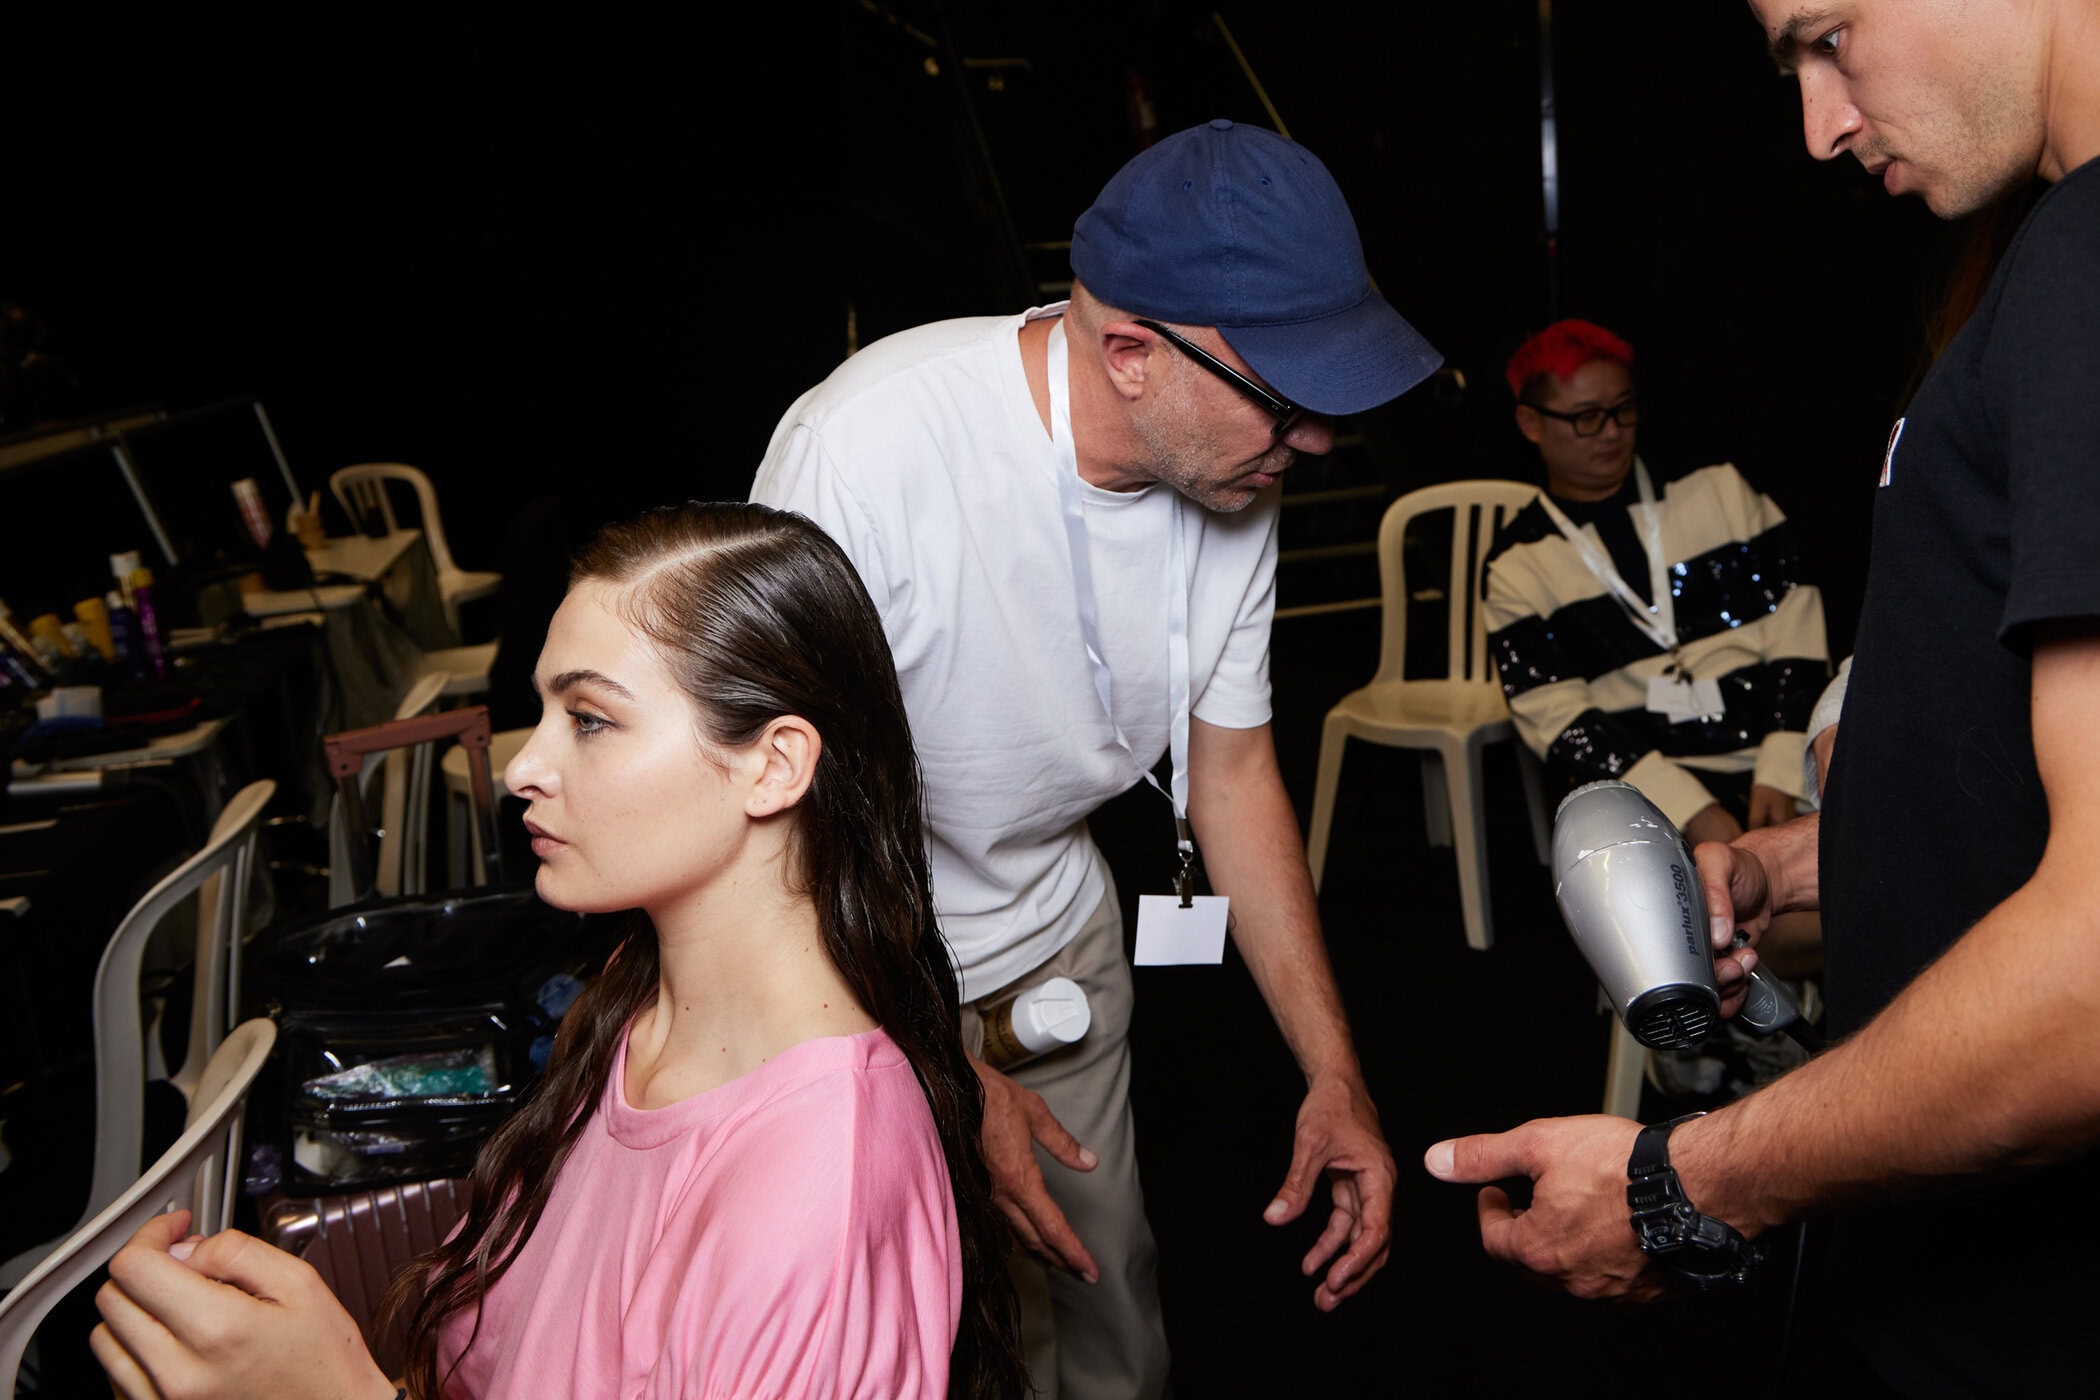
x: 787, y: 754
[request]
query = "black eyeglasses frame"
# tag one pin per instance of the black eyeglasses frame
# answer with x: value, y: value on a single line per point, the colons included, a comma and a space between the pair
x: 1276, y: 406
x: 1626, y: 413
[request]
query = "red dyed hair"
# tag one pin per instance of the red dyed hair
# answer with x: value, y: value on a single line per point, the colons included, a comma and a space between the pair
x: 1561, y: 349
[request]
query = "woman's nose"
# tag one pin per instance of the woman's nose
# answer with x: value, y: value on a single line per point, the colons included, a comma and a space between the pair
x: 528, y: 774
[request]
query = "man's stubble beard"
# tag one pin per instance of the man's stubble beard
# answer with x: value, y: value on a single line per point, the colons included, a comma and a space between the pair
x: 1999, y: 128
x: 1181, y: 454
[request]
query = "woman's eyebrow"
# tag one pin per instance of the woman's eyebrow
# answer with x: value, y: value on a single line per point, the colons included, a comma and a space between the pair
x: 569, y: 680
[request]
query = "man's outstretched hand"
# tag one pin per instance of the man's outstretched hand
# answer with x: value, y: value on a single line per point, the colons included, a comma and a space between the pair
x: 1577, y: 1233
x: 1337, y: 1136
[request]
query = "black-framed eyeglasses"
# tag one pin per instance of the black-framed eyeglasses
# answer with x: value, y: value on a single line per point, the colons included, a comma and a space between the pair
x: 1588, y: 422
x: 1281, y: 409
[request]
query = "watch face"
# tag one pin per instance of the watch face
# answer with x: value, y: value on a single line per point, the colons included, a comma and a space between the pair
x: 1694, y: 1246
x: 1659, y: 1232
x: 1705, y: 1267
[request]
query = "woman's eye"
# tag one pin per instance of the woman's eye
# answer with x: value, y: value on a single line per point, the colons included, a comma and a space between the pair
x: 1826, y: 46
x: 587, y: 724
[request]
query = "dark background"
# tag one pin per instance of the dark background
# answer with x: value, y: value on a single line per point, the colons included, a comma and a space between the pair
x: 588, y: 258
x: 599, y: 257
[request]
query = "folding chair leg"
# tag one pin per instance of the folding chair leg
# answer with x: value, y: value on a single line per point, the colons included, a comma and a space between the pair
x: 1469, y: 840
x: 1334, y: 738
x: 1624, y: 1070
x: 1436, y: 798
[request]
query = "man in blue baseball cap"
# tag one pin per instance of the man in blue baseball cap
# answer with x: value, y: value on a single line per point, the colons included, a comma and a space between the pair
x: 1068, y: 520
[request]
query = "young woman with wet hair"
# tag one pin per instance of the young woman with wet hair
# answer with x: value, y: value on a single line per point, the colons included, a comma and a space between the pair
x: 751, y: 1167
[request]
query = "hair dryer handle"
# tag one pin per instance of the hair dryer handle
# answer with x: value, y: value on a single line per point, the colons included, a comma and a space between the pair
x: 1769, y: 1008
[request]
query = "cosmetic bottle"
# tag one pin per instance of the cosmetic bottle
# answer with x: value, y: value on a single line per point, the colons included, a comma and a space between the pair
x: 92, y: 615
x: 50, y: 635
x: 1035, y: 1021
x: 39, y: 670
x: 124, y: 635
x: 149, y: 621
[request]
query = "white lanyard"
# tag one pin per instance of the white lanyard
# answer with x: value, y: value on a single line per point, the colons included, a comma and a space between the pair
x: 1656, y: 617
x: 1177, y: 589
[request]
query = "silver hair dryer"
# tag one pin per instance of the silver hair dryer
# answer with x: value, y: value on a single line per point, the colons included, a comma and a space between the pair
x: 1631, y: 897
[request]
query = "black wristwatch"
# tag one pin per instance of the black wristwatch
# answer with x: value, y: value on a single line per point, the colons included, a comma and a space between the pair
x: 1693, y: 1246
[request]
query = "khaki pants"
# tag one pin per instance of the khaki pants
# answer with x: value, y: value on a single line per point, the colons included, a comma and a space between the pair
x: 1101, y: 1341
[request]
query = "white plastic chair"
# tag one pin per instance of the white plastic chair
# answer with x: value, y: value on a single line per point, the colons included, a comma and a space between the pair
x: 218, y: 874
x: 1452, y: 717
x: 1625, y: 1069
x: 404, y: 804
x: 362, y: 489
x: 201, y: 1171
x: 222, y: 929
x: 463, y: 833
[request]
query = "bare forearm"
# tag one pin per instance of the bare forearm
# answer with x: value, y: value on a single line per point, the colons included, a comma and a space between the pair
x: 1253, y: 854
x: 1988, y: 1062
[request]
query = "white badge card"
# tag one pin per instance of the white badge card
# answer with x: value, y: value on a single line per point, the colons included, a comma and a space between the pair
x: 1169, y: 934
x: 1685, y: 700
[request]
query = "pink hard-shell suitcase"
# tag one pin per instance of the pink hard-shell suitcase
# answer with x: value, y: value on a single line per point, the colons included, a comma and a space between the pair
x: 359, y: 1242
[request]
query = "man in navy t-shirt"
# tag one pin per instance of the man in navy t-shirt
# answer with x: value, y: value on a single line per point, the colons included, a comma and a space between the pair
x: 1957, y: 863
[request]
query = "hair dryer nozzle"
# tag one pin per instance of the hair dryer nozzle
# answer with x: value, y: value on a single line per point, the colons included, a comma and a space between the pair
x: 1673, y: 1018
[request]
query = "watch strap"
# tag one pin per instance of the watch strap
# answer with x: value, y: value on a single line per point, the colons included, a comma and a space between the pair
x: 1672, y: 1231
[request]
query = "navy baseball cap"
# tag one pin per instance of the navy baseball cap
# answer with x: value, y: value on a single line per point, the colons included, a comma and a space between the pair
x: 1235, y: 227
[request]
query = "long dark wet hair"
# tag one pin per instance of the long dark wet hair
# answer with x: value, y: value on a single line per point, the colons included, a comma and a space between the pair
x: 759, y: 614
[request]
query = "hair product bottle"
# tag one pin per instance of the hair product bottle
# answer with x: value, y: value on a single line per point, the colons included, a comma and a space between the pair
x: 93, y: 617
x: 1035, y: 1021
x: 142, y: 596
x: 124, y: 635
x: 35, y: 668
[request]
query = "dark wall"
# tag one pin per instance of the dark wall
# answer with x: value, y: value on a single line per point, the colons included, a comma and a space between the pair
x: 1780, y: 302
x: 1776, y: 303
x: 598, y: 258
x: 494, y: 247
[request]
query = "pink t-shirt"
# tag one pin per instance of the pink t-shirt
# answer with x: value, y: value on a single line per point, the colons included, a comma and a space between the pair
x: 790, y: 1233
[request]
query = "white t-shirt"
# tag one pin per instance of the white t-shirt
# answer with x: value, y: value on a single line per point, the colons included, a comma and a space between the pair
x: 924, y: 457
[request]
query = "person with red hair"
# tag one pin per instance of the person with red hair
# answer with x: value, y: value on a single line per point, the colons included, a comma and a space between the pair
x: 1559, y: 350
x: 1652, y: 627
